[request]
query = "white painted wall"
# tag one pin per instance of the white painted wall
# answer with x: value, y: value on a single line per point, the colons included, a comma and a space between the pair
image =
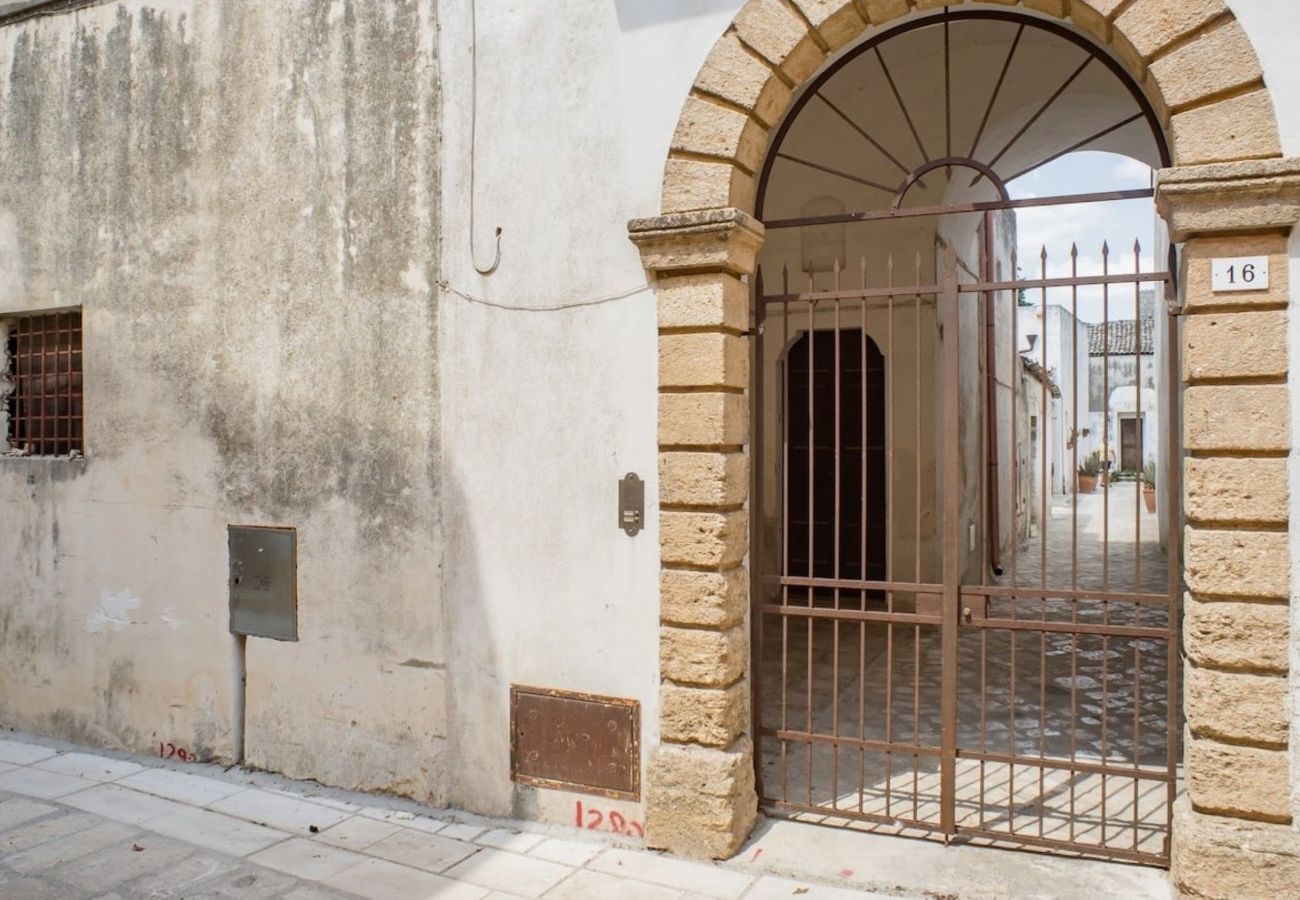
x: 544, y: 411
x: 1062, y: 348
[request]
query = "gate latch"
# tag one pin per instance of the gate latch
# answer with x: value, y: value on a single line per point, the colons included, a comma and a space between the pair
x: 974, y: 607
x: 631, y: 504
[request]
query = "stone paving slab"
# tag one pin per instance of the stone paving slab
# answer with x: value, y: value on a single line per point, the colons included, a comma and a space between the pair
x: 139, y: 827
x: 87, y: 765
x: 278, y: 810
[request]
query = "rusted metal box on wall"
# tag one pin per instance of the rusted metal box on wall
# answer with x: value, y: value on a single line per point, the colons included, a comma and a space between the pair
x: 576, y: 742
x: 264, y: 582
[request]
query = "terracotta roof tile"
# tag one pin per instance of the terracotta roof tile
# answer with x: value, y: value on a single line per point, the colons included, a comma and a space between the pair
x: 1123, y: 338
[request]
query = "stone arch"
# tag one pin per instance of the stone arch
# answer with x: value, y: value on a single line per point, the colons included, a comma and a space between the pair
x: 1192, y: 59
x: 1228, y: 193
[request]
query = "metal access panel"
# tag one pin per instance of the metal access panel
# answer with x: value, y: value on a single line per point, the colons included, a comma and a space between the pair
x: 576, y: 742
x: 264, y: 582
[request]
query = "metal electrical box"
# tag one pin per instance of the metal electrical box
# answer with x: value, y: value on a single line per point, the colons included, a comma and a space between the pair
x: 264, y: 582
x: 575, y: 742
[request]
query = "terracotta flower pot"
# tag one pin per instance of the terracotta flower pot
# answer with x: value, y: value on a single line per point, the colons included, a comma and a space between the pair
x: 1149, y: 498
x: 1085, y: 484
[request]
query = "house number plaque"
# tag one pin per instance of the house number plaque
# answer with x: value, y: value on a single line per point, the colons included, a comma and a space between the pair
x: 1239, y: 273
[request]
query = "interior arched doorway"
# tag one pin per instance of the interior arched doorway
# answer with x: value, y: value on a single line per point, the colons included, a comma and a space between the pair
x: 701, y: 797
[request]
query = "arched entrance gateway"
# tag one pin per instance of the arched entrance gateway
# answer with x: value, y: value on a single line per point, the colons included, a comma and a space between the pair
x: 887, y: 601
x: 948, y: 636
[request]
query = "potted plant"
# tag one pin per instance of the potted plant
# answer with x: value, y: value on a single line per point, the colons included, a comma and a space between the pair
x: 1086, y: 478
x: 1149, y: 486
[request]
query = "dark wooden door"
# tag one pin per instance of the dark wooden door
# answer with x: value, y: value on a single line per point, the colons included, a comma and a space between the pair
x: 1130, y: 445
x: 822, y: 506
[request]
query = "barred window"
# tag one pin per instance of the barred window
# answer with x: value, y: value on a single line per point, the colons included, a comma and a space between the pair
x: 42, y: 384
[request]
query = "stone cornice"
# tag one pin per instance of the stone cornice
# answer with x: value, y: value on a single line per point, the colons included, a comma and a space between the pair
x: 1230, y: 198
x: 708, y: 240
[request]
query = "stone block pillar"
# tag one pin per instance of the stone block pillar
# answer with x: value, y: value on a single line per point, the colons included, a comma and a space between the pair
x: 700, y: 797
x: 1233, y: 834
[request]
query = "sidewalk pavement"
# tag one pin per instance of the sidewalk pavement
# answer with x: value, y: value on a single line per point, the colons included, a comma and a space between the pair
x: 77, y: 823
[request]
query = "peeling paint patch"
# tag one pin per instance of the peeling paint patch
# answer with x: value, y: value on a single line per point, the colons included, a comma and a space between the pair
x: 171, y: 618
x: 114, y: 612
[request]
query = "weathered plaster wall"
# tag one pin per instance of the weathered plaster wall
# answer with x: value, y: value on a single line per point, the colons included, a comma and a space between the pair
x: 242, y: 198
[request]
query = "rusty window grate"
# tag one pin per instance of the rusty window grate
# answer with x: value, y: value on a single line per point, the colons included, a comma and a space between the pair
x: 43, y: 406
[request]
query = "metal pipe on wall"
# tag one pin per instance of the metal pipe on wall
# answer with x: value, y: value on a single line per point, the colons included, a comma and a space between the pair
x: 990, y: 364
x: 238, y: 694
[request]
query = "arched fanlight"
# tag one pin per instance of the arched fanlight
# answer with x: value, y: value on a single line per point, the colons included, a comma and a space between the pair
x: 878, y: 97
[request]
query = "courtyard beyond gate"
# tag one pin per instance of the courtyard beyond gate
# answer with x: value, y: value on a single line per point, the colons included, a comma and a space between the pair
x: 1065, y: 700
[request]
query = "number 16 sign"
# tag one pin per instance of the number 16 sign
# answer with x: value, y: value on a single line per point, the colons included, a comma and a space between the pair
x: 1242, y: 273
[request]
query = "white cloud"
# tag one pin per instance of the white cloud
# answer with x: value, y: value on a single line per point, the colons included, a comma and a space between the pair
x: 1056, y: 227
x: 1132, y: 170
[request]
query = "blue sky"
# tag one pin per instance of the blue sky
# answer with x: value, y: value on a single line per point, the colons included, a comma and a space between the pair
x: 1087, y: 224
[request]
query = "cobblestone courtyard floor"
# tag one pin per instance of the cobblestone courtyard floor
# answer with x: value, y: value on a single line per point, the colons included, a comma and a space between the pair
x: 1080, y: 703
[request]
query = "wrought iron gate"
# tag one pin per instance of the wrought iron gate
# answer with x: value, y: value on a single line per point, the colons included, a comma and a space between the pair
x: 952, y: 634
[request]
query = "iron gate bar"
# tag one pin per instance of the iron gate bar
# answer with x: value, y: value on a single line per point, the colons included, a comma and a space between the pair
x: 971, y: 287
x: 1072, y: 765
x: 830, y: 170
x: 849, y: 814
x: 1105, y: 527
x: 851, y: 615
x: 891, y: 513
x: 878, y: 215
x: 852, y: 584
x: 1074, y: 536
x: 1075, y: 147
x: 812, y: 366
x: 1029, y: 593
x: 860, y: 130
x: 947, y: 162
x: 1072, y: 846
x: 947, y: 85
x: 886, y: 293
x: 997, y: 89
x: 1064, y: 282
x: 925, y: 155
x: 811, y: 737
x: 1067, y: 627
x: 951, y: 524
x: 1037, y: 115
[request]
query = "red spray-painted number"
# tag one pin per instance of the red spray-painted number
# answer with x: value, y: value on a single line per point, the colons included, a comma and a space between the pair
x: 171, y: 751
x: 593, y: 819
